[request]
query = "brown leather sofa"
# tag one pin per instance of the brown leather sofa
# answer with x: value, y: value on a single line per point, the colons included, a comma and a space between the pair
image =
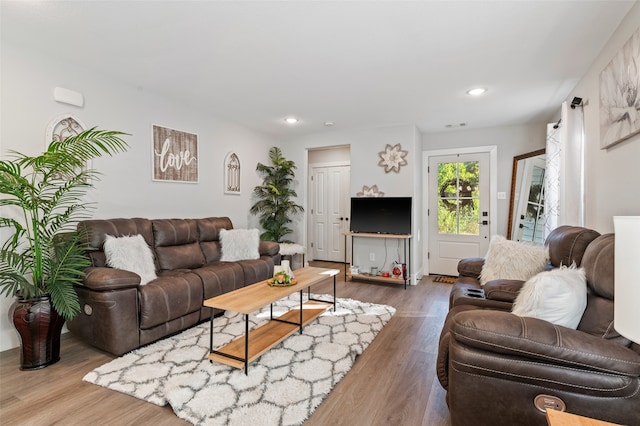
x: 118, y: 315
x: 504, y: 369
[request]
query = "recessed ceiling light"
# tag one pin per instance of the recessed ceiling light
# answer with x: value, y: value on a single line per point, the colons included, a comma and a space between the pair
x: 291, y: 120
x: 328, y: 123
x: 477, y: 91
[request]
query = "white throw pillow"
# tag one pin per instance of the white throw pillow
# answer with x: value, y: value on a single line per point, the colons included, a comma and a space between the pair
x: 239, y: 244
x: 558, y: 296
x: 513, y: 260
x: 131, y: 253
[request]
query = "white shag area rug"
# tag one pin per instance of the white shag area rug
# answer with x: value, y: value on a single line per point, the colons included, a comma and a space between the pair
x: 284, y: 386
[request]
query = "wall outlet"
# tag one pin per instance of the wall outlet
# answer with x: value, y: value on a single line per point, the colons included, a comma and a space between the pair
x: 502, y: 195
x: 372, y: 256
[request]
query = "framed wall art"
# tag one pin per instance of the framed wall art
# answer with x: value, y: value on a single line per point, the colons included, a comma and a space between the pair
x: 232, y: 174
x: 174, y: 155
x: 620, y: 94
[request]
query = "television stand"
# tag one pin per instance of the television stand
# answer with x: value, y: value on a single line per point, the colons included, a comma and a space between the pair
x: 406, y: 241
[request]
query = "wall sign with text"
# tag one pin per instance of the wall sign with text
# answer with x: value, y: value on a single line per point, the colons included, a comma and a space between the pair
x: 175, y: 155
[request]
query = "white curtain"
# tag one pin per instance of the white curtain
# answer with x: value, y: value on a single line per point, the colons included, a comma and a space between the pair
x: 564, y: 176
x: 552, y: 179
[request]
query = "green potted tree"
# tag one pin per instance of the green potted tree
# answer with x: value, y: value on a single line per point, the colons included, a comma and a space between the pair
x: 42, y: 257
x: 275, y: 205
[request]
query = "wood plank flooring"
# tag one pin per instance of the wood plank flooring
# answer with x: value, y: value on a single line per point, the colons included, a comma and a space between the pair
x: 392, y: 383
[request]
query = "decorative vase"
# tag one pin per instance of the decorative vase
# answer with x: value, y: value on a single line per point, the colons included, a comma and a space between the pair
x: 39, y: 327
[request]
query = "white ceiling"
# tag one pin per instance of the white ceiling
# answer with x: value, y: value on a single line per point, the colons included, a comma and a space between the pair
x: 356, y: 63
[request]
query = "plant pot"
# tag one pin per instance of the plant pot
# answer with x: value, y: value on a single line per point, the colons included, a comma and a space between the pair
x: 39, y: 327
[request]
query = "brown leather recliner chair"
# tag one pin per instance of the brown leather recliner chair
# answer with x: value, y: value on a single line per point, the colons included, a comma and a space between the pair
x: 566, y: 244
x: 505, y: 369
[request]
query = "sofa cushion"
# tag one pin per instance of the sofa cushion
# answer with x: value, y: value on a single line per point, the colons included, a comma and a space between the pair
x: 558, y: 296
x: 209, y: 228
x: 239, y: 244
x: 172, y: 295
x: 567, y: 244
x: 219, y: 278
x: 257, y: 270
x: 598, y: 263
x: 268, y: 248
x: 176, y: 244
x: 130, y: 253
x: 513, y: 260
x: 94, y: 232
x: 209, y: 236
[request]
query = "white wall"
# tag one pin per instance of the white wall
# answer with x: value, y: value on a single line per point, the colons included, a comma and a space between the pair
x: 126, y: 189
x: 365, y: 144
x: 511, y: 141
x: 332, y: 155
x: 612, y: 175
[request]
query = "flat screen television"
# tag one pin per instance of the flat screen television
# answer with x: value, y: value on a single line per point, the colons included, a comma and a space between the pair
x: 384, y: 215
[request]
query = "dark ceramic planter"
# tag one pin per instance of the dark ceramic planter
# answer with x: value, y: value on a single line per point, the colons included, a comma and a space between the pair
x: 39, y: 327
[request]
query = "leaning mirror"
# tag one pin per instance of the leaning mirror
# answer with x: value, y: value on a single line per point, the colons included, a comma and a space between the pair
x: 526, y: 207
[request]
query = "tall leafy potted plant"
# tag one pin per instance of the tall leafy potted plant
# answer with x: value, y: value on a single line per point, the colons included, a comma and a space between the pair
x: 275, y: 205
x: 42, y: 200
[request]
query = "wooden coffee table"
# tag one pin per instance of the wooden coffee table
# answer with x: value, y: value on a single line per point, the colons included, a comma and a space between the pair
x: 240, y: 352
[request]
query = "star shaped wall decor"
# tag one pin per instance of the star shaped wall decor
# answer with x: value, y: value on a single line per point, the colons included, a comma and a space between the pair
x: 370, y: 192
x: 392, y: 158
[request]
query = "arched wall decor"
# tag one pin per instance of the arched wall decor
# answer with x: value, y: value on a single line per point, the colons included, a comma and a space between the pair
x: 61, y: 127
x: 232, y: 174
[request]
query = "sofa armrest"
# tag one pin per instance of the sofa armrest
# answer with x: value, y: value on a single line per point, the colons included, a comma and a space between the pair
x: 103, y: 278
x: 470, y: 267
x: 540, y: 341
x: 268, y: 248
x: 503, y: 290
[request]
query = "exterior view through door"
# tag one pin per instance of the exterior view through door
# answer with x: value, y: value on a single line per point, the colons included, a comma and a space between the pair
x: 459, y: 224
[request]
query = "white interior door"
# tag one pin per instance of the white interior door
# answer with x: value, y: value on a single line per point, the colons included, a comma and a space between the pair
x: 330, y: 212
x: 459, y: 224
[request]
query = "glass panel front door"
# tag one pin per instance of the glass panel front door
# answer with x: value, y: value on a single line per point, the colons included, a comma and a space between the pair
x: 458, y: 198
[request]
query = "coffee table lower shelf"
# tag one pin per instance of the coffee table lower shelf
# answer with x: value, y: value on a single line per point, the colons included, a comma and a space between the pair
x: 268, y: 335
